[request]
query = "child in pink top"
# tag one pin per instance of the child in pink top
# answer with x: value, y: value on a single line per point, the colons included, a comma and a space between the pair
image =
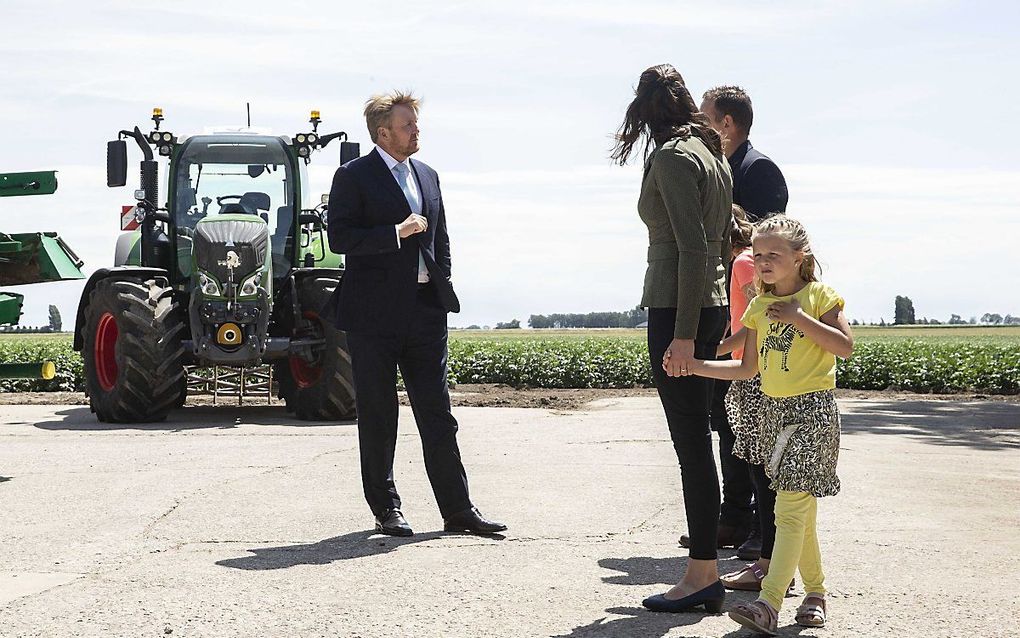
x: 744, y: 401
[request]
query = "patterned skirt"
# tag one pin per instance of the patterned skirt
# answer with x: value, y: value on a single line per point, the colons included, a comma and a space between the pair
x: 744, y: 402
x: 800, y: 436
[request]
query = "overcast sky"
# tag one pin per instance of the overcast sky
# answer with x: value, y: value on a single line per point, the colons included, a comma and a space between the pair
x: 895, y: 122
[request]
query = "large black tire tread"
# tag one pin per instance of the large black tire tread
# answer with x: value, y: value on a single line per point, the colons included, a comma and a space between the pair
x: 149, y: 351
x: 332, y: 397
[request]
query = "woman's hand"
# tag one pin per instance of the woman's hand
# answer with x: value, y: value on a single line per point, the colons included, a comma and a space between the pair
x: 678, y: 360
x: 785, y: 311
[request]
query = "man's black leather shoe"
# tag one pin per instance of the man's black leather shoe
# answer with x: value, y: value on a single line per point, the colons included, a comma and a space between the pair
x: 472, y: 521
x: 729, y: 536
x: 392, y: 522
x: 750, y: 549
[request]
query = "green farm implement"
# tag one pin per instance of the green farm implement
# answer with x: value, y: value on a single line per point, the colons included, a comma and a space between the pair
x: 30, y: 258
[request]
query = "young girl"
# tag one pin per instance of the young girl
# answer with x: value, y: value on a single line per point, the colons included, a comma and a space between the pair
x: 795, y: 330
x: 743, y: 401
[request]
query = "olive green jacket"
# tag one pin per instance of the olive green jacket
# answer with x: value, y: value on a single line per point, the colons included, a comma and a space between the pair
x: 686, y: 199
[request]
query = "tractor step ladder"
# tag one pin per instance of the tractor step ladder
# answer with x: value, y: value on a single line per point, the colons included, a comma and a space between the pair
x: 254, y: 382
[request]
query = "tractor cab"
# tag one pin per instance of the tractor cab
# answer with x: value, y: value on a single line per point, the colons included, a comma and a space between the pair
x: 250, y: 175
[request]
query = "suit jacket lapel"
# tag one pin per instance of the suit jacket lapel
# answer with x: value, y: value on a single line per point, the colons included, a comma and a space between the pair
x: 425, y: 193
x: 386, y: 179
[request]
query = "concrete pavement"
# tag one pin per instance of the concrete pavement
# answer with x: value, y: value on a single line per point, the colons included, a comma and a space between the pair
x: 241, y: 522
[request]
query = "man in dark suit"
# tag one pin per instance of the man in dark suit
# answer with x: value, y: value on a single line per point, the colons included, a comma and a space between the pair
x: 760, y: 189
x: 386, y: 216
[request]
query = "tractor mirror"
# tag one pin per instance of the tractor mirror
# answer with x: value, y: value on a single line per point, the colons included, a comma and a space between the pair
x: 116, y: 163
x: 254, y: 170
x: 349, y: 151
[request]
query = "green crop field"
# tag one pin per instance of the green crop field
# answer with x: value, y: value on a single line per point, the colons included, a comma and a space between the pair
x: 943, y: 359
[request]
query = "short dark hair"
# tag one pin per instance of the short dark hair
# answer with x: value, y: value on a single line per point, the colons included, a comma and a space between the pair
x: 733, y: 101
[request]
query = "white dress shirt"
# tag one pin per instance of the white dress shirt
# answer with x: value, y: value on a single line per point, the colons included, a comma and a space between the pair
x: 414, y: 202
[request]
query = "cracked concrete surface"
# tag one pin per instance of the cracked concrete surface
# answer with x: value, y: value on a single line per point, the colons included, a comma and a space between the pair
x: 214, y: 526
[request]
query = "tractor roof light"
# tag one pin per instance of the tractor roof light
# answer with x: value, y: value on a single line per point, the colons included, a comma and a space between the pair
x: 300, y: 137
x: 315, y: 119
x: 312, y: 138
x: 157, y: 116
x: 303, y: 151
x: 165, y: 150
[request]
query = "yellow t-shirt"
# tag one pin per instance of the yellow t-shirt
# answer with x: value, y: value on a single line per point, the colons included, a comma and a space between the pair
x: 791, y: 364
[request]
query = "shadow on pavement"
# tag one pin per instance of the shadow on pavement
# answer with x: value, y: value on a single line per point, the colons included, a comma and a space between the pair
x: 638, y: 621
x: 635, y: 621
x: 225, y: 417
x: 346, y: 547
x: 645, y: 570
x: 979, y: 425
x: 4, y: 479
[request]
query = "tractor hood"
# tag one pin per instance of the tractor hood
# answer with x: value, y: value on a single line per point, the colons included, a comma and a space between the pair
x: 231, y: 246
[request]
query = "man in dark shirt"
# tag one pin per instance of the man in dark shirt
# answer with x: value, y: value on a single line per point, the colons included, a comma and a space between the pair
x: 758, y: 184
x: 760, y: 189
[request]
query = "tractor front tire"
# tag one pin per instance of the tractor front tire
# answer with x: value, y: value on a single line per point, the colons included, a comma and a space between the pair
x: 133, y: 351
x: 322, y: 390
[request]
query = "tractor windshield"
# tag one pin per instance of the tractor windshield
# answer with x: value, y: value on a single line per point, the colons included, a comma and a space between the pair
x: 234, y: 174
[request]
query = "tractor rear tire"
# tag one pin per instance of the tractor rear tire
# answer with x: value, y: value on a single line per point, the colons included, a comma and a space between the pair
x: 133, y: 354
x: 323, y: 390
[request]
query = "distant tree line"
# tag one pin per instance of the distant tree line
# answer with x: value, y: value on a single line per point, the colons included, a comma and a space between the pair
x: 627, y: 319
x: 904, y: 315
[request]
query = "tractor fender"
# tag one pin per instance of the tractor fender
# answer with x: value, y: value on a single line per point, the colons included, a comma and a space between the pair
x: 297, y: 275
x: 118, y: 272
x: 301, y: 273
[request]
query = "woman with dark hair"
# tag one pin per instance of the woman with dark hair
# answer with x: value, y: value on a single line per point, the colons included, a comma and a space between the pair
x: 685, y: 200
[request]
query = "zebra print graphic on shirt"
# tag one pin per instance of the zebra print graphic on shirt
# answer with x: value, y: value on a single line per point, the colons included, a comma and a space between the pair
x: 780, y: 338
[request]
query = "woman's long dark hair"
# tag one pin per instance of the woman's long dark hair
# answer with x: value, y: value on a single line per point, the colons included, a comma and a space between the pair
x: 661, y: 110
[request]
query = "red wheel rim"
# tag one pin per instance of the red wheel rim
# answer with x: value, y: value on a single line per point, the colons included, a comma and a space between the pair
x: 305, y: 374
x: 105, y: 351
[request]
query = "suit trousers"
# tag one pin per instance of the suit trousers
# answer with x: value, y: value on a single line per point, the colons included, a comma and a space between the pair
x: 687, y: 404
x: 420, y: 352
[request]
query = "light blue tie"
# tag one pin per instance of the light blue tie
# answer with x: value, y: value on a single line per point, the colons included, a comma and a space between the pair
x: 412, y: 197
x: 415, y: 204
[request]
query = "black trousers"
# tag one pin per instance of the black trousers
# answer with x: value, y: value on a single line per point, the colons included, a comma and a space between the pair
x: 766, y: 505
x: 737, y: 488
x: 421, y: 354
x: 687, y: 404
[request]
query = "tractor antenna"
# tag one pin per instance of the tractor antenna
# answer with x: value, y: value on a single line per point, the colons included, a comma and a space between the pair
x: 248, y: 106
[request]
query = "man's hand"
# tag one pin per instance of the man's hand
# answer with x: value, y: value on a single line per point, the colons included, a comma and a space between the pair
x: 785, y: 311
x: 412, y: 225
x: 678, y: 360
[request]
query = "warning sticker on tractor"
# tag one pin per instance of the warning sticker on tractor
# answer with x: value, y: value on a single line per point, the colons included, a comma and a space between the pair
x: 128, y: 220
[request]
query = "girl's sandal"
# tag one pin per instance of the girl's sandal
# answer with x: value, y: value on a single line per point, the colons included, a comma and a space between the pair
x: 811, y: 613
x: 757, y: 616
x: 747, y: 579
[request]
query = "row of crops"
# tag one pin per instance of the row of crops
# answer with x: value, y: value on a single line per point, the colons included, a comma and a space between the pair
x: 925, y: 364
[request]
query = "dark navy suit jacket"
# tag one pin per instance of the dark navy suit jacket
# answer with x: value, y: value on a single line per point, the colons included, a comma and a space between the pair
x: 758, y: 185
x: 379, y: 287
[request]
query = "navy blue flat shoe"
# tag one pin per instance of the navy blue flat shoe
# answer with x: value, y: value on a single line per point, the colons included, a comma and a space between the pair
x: 711, y: 598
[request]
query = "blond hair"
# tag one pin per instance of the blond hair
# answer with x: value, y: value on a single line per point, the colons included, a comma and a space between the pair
x: 379, y: 109
x: 796, y: 235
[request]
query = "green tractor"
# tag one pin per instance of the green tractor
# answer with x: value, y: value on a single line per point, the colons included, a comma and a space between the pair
x: 29, y: 258
x: 233, y: 270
